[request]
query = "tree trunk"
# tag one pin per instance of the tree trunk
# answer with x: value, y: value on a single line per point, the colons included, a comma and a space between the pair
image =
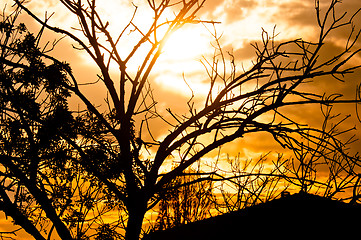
x: 135, y: 222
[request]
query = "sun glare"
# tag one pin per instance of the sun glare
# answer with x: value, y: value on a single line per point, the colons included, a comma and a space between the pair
x: 181, y: 57
x: 186, y: 44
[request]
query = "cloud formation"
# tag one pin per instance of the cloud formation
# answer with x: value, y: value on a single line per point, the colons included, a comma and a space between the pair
x: 241, y: 24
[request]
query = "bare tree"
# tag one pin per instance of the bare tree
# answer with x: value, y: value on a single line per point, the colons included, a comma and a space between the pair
x: 313, y: 167
x: 184, y: 202
x: 111, y: 146
x: 340, y: 173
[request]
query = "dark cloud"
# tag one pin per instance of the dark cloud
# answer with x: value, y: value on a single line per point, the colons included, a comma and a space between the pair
x: 233, y: 10
x: 298, y: 12
x: 239, y: 9
x: 303, y: 13
x: 245, y: 53
x: 326, y: 85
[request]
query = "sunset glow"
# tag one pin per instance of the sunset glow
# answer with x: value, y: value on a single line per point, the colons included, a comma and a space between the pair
x: 187, y: 44
x: 243, y: 87
x: 180, y: 60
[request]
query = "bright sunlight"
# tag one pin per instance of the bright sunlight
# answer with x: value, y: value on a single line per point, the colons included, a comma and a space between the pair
x: 186, y: 44
x: 182, y: 54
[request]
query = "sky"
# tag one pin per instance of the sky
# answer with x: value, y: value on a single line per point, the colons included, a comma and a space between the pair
x: 241, y: 23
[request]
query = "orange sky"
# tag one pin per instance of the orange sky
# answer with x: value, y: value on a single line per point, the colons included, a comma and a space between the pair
x: 241, y: 24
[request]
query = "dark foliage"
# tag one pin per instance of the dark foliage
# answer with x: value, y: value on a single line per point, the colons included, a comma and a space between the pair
x: 64, y: 171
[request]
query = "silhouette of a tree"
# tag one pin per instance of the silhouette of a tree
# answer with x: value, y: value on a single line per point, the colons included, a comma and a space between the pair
x: 62, y: 167
x: 34, y: 111
x: 42, y: 186
x: 339, y: 172
x: 185, y: 203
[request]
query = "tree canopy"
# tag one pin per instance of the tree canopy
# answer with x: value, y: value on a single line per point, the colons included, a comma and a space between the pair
x: 94, y: 173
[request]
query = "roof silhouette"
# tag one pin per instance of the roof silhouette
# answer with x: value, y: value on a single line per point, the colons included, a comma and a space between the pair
x: 298, y: 216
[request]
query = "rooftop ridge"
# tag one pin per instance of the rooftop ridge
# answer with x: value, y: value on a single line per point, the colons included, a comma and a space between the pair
x: 290, y: 213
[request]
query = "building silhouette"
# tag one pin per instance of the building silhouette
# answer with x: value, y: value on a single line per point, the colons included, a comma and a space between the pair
x: 297, y: 216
